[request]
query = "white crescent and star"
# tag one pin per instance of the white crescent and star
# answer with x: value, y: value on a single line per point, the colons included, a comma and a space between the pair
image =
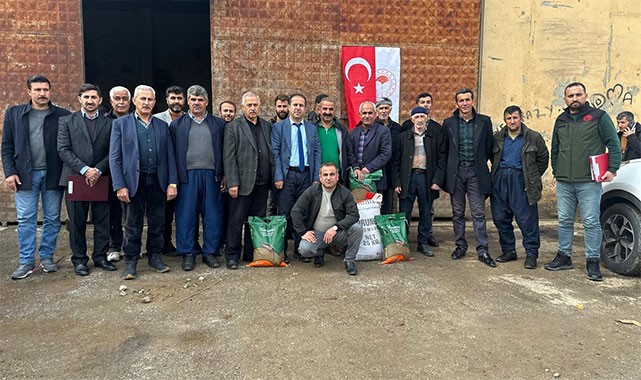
x: 358, y: 61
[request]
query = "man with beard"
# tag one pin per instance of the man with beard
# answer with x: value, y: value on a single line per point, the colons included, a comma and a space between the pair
x: 32, y: 168
x: 579, y: 132
x: 519, y: 161
x: 198, y: 141
x: 297, y: 156
x: 175, y: 97
x: 314, y: 116
x: 143, y: 167
x: 334, y: 138
x: 248, y: 162
x: 281, y: 104
x: 227, y: 110
x: 83, y: 146
x: 120, y: 99
x: 629, y: 136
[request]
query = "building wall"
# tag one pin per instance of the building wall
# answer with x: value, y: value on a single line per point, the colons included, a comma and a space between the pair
x: 38, y: 37
x: 276, y: 46
x: 269, y: 47
x: 531, y: 49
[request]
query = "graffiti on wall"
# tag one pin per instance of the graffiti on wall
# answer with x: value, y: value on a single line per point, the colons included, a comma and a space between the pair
x: 613, y: 99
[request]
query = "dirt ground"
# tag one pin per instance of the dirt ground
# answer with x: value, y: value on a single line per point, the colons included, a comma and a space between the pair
x: 432, y: 318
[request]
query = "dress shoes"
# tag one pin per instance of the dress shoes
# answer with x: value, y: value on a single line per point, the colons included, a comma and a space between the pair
x: 487, y: 260
x: 189, y: 261
x: 104, y: 265
x: 232, y: 264
x: 425, y: 249
x: 319, y: 261
x: 458, y: 253
x: 530, y: 262
x: 350, y: 267
x: 211, y: 261
x: 81, y: 270
x: 301, y: 258
x: 507, y: 256
x: 431, y: 242
x: 170, y: 250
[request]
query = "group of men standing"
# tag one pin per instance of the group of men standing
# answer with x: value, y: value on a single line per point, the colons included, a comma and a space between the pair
x: 221, y: 170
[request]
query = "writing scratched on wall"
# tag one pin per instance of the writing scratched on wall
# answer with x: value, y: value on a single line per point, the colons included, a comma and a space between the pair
x: 612, y: 100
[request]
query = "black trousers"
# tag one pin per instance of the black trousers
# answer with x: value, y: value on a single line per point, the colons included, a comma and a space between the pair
x: 149, y: 201
x: 253, y: 204
x: 115, y: 220
x: 78, y: 212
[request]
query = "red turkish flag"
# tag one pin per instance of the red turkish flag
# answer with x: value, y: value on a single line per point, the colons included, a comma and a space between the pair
x: 359, y: 78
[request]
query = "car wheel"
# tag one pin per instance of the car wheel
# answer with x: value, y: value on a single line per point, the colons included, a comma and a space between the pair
x: 621, y: 245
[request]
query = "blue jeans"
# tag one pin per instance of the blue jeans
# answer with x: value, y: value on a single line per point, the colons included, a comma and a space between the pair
x: 587, y: 195
x: 27, y: 211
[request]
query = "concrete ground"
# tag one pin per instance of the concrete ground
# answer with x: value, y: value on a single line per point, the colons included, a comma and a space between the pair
x: 432, y: 318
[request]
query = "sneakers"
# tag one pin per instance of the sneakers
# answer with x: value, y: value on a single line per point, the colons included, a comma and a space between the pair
x: 129, y: 272
x: 594, y: 271
x: 113, y: 256
x: 156, y: 263
x: 350, y: 267
x: 48, y: 265
x: 23, y: 271
x: 560, y: 262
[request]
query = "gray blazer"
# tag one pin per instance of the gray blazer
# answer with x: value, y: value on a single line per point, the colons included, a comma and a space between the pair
x: 77, y: 150
x: 240, y: 153
x: 164, y: 116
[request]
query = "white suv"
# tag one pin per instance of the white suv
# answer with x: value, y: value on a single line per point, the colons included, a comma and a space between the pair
x: 621, y: 220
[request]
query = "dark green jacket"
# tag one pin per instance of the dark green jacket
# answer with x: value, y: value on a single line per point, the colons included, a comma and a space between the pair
x: 534, y: 158
x: 576, y: 137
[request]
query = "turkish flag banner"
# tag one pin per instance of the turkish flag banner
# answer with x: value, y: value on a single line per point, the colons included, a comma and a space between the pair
x: 359, y: 78
x: 369, y: 74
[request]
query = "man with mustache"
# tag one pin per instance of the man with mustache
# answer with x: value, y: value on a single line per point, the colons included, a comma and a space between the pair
x: 281, y: 104
x: 120, y: 99
x: 198, y: 142
x: 83, y: 146
x: 143, y: 167
x: 32, y: 169
x: 249, y: 162
x: 297, y: 154
x: 334, y: 138
x: 469, y: 135
x: 581, y: 131
x: 175, y: 98
x: 519, y: 161
x: 383, y: 110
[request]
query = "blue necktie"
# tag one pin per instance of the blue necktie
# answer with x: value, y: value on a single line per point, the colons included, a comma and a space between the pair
x: 301, y: 153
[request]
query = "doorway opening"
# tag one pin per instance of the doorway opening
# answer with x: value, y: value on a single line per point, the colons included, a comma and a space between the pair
x: 159, y: 43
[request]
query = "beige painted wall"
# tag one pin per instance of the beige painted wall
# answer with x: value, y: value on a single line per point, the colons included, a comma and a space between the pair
x: 532, y: 48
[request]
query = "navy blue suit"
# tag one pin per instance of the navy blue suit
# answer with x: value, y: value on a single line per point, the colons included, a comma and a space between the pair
x: 146, y: 190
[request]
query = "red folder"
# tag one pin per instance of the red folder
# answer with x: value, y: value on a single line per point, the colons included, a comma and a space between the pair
x: 78, y: 190
x: 598, y: 166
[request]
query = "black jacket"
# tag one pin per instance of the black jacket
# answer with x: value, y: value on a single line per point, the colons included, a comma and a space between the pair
x: 16, y: 152
x: 483, y: 141
x: 306, y: 208
x: 633, y: 149
x: 436, y: 151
